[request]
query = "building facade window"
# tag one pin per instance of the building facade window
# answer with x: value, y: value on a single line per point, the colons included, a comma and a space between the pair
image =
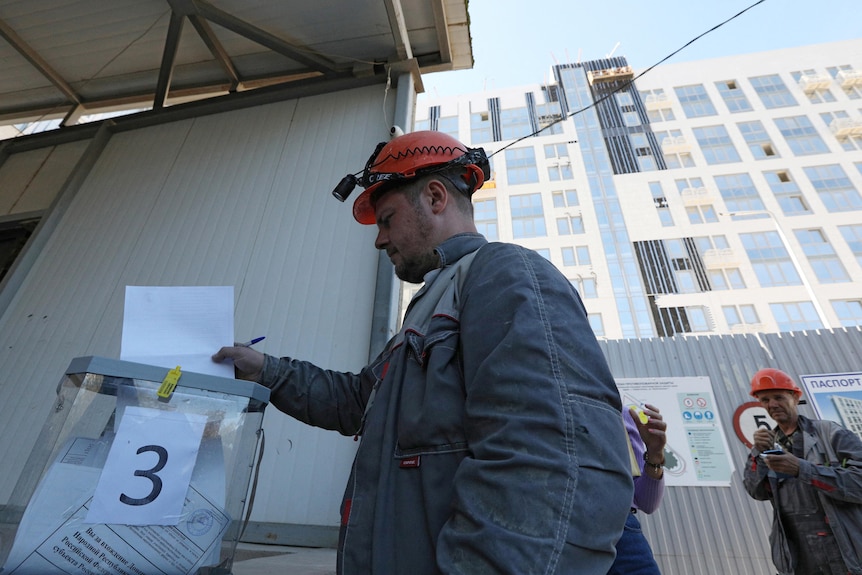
x: 698, y: 319
x: 675, y: 149
x: 702, y: 214
x: 559, y: 164
x: 657, y: 105
x: 852, y: 234
x: 743, y: 314
x: 849, y: 311
x: 772, y: 91
x: 549, y: 115
x: 586, y: 287
x: 695, y: 101
x: 544, y: 252
x: 834, y: 188
x: 801, y: 136
x: 815, y: 90
x: 716, y: 145
x: 739, y: 192
x: 485, y: 217
x: 528, y: 216
x: 733, y: 96
x: 558, y: 151
x: 515, y: 123
x: 847, y: 77
x: 822, y: 257
x: 848, y: 132
x: 448, y: 125
x: 795, y: 316
x: 560, y: 172
x: 787, y: 192
x: 597, y: 324
x: 660, y: 201
x: 565, y: 198
x: 770, y: 259
x: 521, y: 166
x: 568, y: 254
x: 678, y: 160
x: 726, y: 279
x: 682, y: 266
x: 661, y: 115
x: 759, y: 143
x: 569, y: 225
x: 481, y: 130
x: 689, y: 185
x: 706, y: 243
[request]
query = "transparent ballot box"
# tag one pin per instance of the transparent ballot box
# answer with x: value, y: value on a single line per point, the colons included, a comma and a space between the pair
x: 132, y: 476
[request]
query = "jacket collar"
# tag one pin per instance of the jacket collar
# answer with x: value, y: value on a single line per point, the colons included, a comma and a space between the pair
x: 456, y: 247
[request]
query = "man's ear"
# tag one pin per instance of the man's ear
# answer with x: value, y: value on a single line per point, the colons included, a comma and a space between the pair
x: 438, y: 195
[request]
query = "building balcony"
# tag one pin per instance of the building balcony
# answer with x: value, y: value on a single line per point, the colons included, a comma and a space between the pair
x: 811, y: 83
x: 610, y: 74
x: 848, y: 78
x: 846, y: 127
x: 720, y: 258
x: 656, y: 101
x: 671, y: 145
x: 696, y: 196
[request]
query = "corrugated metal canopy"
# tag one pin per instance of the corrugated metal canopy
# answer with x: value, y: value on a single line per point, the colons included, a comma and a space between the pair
x: 67, y: 58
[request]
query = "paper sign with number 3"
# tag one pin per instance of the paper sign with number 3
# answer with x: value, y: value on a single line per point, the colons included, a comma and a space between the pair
x: 149, y: 466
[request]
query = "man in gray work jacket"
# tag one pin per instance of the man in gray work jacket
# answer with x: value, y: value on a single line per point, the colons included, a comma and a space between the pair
x: 811, y: 471
x: 492, y: 438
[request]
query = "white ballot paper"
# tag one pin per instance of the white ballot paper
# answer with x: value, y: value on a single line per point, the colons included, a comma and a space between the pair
x: 178, y: 326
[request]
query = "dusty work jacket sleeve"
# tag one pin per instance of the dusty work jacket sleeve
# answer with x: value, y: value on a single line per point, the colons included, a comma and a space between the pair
x: 755, y: 478
x: 320, y: 397
x: 547, y: 485
x: 840, y: 480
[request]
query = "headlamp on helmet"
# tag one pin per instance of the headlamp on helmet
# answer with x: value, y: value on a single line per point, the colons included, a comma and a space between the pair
x: 408, y: 157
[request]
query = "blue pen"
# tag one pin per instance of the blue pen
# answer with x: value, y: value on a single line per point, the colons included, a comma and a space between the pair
x: 253, y: 341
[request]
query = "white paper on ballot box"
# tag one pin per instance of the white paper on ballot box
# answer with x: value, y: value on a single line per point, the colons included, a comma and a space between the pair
x: 54, y: 538
x: 148, y: 468
x: 171, y: 326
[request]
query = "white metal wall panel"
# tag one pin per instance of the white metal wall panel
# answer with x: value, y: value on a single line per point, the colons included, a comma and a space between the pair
x: 709, y: 530
x: 29, y: 181
x: 240, y: 198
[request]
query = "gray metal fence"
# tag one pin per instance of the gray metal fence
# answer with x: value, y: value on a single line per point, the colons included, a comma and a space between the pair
x: 719, y: 530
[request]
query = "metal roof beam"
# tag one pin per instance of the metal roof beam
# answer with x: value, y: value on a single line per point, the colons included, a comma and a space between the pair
x: 399, y: 29
x: 255, y: 34
x: 441, y: 24
x: 216, y: 49
x: 38, y: 62
x: 166, y: 70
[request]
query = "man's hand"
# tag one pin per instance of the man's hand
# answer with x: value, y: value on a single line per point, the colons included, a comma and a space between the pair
x: 764, y: 439
x: 247, y: 362
x: 785, y: 463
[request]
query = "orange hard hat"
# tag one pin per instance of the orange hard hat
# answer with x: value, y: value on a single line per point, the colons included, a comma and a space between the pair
x: 770, y: 379
x: 412, y: 155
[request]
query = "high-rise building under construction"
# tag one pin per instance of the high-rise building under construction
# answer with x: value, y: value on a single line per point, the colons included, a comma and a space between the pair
x: 709, y: 197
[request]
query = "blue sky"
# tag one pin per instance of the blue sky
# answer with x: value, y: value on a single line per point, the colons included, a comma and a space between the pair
x: 515, y: 42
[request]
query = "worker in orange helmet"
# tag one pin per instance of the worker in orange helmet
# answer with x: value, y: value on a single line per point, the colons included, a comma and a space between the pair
x: 490, y: 425
x: 811, y: 472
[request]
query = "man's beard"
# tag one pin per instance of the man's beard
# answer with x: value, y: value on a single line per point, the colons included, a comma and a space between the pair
x: 413, y: 270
